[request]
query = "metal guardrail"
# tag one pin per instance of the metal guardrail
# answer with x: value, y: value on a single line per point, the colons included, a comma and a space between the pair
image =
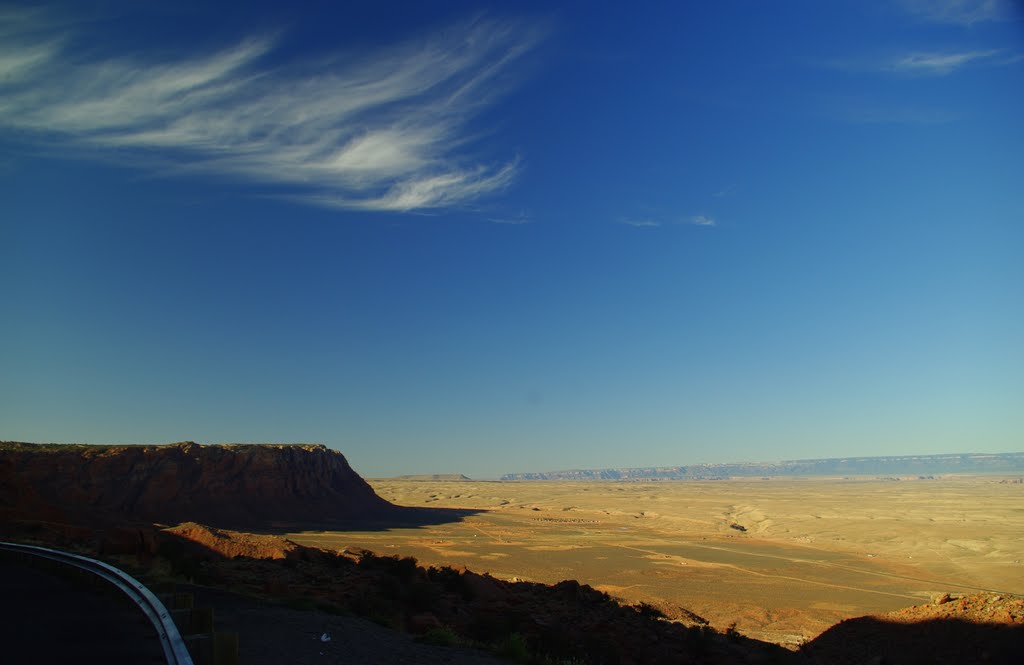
x: 174, y: 648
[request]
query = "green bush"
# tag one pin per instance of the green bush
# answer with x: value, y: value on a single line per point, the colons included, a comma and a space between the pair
x: 442, y: 637
x: 514, y: 648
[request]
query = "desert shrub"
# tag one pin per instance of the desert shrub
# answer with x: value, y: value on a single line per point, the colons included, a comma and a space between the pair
x: 449, y: 578
x: 451, y: 581
x: 513, y: 648
x: 404, y: 568
x: 391, y: 621
x: 441, y: 636
x: 548, y: 659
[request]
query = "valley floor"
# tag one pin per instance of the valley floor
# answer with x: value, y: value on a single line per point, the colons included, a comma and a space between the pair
x: 783, y: 559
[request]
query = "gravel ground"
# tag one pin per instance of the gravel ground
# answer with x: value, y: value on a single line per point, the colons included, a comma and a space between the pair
x: 270, y: 634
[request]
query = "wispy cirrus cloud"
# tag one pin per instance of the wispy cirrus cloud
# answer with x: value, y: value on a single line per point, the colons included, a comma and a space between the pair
x: 647, y: 223
x: 640, y: 223
x: 960, y: 12
x: 382, y: 131
x: 518, y: 219
x: 939, y: 64
x: 925, y: 63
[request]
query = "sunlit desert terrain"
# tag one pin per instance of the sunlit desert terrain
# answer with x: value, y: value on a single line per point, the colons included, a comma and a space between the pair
x: 814, y: 551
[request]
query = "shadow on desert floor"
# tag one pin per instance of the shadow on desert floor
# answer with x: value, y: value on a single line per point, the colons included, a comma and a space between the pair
x: 401, y: 517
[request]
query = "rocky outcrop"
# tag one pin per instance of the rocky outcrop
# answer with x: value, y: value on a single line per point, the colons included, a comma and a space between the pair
x: 230, y: 544
x: 254, y: 486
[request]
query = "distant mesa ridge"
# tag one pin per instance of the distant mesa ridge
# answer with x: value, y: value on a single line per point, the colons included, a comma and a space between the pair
x: 900, y: 465
x: 445, y: 477
x: 224, y: 485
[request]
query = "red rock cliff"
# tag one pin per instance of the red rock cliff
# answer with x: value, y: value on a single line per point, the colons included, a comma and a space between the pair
x: 224, y: 485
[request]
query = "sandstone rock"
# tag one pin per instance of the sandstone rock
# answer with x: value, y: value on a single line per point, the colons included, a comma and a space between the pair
x: 230, y: 544
x: 222, y: 485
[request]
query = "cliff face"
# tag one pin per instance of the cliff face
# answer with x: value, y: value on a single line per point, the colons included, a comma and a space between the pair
x: 224, y: 485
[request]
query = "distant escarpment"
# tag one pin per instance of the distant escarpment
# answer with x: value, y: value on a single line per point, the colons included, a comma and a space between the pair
x: 240, y: 485
x: 435, y: 477
x: 902, y: 465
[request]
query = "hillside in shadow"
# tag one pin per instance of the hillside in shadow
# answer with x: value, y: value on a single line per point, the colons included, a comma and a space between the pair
x: 960, y: 641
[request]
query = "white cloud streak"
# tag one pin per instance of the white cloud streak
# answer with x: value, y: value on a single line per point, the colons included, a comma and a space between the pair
x: 938, y: 64
x: 960, y: 12
x: 386, y: 131
x: 641, y: 223
x: 518, y: 219
x: 925, y: 63
x: 695, y: 220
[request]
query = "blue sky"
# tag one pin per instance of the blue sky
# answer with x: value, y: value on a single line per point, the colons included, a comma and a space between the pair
x: 452, y: 237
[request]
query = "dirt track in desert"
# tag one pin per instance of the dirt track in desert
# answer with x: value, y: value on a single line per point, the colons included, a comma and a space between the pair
x: 814, y: 551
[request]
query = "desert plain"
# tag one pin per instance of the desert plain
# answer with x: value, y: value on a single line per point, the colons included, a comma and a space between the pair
x: 782, y: 559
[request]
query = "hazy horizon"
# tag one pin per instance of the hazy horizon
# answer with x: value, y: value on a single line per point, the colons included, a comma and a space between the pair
x: 442, y: 240
x: 499, y: 474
